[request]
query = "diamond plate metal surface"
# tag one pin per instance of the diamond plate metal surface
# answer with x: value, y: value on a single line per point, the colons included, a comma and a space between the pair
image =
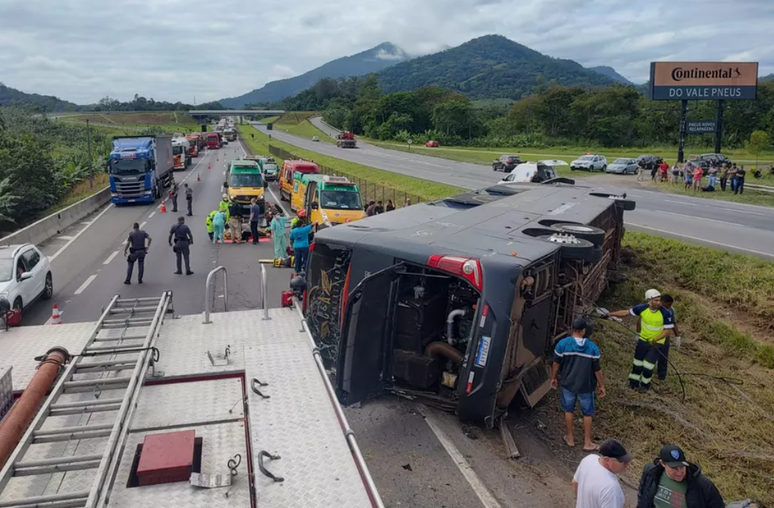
x: 6, y: 390
x: 299, y: 424
x: 18, y: 346
x: 194, y: 403
x: 220, y: 443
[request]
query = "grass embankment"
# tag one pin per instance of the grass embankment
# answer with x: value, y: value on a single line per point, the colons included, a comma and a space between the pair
x: 299, y: 125
x: 393, y: 183
x: 725, y: 307
x: 750, y: 196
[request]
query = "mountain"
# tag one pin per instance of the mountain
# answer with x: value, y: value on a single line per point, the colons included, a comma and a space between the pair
x: 488, y: 67
x: 610, y: 73
x: 373, y: 60
x: 770, y: 77
x: 12, y: 97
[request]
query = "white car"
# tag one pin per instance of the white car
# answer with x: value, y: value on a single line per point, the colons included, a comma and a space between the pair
x: 315, y: 138
x: 535, y: 172
x: 589, y: 163
x: 25, y: 275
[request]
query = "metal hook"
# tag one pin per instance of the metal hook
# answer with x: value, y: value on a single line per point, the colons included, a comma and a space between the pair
x: 255, y: 389
x: 266, y: 472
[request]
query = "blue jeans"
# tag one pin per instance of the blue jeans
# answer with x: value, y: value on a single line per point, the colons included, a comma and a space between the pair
x: 711, y: 181
x: 301, y: 253
x: 586, y: 402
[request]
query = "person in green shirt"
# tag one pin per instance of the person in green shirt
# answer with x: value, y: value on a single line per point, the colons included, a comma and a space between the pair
x: 673, y: 482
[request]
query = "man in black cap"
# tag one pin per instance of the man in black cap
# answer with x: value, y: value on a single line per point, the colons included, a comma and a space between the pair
x: 673, y: 482
x: 596, y: 479
x: 576, y: 360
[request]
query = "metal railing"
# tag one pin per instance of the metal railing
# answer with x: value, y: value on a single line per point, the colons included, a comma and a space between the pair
x: 264, y: 294
x: 349, y: 434
x: 208, y: 292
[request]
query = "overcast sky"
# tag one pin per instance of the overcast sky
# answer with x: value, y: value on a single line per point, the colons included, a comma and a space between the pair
x: 82, y: 50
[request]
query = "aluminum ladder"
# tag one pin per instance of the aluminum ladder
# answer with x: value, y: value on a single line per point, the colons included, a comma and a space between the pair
x: 90, y: 407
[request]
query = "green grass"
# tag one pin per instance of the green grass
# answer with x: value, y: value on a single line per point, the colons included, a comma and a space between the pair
x: 295, y: 117
x: 79, y: 192
x: 306, y: 130
x: 750, y: 196
x: 724, y: 308
x: 396, y: 185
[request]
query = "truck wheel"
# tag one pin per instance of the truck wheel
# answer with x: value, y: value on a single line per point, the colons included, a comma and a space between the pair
x: 590, y: 233
x: 571, y: 247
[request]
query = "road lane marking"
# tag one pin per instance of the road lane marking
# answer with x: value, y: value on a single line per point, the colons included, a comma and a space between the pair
x: 110, y: 258
x: 151, y: 215
x: 63, y: 237
x: 88, y: 224
x: 702, y: 240
x: 486, y: 498
x: 142, y: 224
x: 85, y: 284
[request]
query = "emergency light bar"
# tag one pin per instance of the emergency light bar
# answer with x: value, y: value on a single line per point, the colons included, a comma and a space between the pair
x: 341, y: 180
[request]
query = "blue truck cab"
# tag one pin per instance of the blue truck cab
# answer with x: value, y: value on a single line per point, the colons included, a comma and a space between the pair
x: 140, y: 167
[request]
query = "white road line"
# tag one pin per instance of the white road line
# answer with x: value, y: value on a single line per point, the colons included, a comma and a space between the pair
x: 63, y: 237
x: 62, y: 249
x: 151, y: 215
x: 486, y: 498
x: 142, y: 224
x: 110, y: 258
x: 85, y: 284
x: 702, y: 240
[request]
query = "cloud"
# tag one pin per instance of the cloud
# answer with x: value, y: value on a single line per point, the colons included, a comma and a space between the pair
x: 177, y: 49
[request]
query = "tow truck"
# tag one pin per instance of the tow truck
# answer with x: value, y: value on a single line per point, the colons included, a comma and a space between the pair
x: 328, y: 200
x: 346, y: 139
x: 144, y: 407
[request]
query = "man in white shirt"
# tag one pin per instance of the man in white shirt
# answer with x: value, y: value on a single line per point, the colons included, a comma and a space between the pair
x: 596, y: 479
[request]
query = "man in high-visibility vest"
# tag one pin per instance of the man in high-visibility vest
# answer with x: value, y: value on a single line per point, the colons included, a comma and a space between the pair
x: 657, y: 323
x: 208, y: 222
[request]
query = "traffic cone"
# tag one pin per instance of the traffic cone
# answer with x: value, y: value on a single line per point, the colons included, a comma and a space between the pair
x: 163, y: 207
x: 198, y: 177
x: 56, y: 318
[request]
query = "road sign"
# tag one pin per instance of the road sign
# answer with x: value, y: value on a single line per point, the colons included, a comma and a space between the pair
x: 703, y: 80
x: 701, y: 127
x: 410, y: 141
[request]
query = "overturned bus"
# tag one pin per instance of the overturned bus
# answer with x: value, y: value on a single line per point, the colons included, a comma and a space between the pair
x: 460, y: 300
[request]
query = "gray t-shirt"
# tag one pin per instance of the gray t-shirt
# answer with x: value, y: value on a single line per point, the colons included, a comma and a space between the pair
x: 137, y: 239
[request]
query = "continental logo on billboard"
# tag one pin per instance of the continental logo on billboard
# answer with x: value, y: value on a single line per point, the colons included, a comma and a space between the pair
x: 703, y: 80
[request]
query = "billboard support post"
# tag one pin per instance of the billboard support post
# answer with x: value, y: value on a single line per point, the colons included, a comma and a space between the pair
x: 683, y: 128
x: 719, y: 127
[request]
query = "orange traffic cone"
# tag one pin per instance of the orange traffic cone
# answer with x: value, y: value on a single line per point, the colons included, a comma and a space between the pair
x: 56, y: 318
x: 163, y: 207
x: 198, y: 177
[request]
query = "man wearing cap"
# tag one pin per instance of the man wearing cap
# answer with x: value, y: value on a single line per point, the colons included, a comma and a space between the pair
x: 596, y: 479
x: 673, y: 482
x: 657, y: 323
x: 576, y: 359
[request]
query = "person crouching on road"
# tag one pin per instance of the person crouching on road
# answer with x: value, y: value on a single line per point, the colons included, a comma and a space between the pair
x: 299, y: 235
x: 672, y: 481
x: 596, y: 480
x: 235, y: 221
x: 208, y: 222
x: 576, y: 359
x: 657, y: 325
x: 219, y: 227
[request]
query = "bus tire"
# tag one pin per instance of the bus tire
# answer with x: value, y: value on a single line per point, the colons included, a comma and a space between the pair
x: 590, y: 233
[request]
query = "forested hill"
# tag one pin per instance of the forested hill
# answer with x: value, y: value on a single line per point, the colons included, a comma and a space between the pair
x: 488, y: 67
x: 366, y: 62
x: 12, y: 97
x: 611, y: 73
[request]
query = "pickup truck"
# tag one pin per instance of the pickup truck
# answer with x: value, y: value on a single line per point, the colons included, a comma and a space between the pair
x: 506, y: 163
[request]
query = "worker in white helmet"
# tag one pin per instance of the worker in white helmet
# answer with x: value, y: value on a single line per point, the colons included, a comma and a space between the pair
x: 656, y: 325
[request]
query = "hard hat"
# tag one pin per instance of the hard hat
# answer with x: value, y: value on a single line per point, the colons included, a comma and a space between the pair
x: 302, y: 213
x: 225, y: 197
x: 651, y: 294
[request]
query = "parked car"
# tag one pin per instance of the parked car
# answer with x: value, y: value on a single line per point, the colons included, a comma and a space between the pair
x: 719, y: 158
x: 623, y: 166
x: 506, y: 163
x: 589, y: 163
x: 25, y: 275
x: 432, y: 144
x: 649, y: 162
x: 315, y: 138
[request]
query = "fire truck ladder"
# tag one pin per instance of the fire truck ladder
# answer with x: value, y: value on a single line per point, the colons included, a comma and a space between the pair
x: 116, y: 358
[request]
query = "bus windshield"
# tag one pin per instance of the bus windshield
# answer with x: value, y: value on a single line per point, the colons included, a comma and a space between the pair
x: 245, y: 180
x: 340, y: 200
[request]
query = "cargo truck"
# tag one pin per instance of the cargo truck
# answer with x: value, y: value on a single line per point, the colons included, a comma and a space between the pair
x: 346, y: 140
x: 180, y: 148
x: 213, y: 140
x: 139, y: 168
x: 230, y: 134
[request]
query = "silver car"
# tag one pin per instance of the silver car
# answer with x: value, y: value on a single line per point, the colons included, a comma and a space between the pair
x: 589, y: 163
x: 623, y: 166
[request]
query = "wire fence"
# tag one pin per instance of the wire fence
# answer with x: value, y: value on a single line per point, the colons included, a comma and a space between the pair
x: 369, y: 190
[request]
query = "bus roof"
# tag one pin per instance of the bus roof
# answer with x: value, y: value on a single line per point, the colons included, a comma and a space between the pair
x: 303, y: 166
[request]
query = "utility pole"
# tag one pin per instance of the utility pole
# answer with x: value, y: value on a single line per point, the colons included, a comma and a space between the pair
x: 719, y: 126
x: 683, y: 128
x: 91, y: 166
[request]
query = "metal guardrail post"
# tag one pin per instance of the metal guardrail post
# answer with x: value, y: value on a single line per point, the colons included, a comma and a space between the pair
x: 264, y: 294
x: 208, y: 292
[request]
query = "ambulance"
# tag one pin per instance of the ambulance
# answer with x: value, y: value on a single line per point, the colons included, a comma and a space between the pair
x: 327, y: 200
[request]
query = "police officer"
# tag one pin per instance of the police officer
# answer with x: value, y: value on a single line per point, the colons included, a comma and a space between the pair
x: 135, y: 249
x: 189, y: 199
x: 173, y: 195
x: 183, y: 239
x: 657, y: 324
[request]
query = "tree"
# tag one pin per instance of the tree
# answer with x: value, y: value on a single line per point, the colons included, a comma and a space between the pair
x: 758, y: 143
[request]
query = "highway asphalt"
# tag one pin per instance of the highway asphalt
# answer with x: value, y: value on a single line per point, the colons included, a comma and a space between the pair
x: 748, y: 229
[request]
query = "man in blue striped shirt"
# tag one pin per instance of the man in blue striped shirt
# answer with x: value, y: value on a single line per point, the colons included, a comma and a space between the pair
x: 576, y: 360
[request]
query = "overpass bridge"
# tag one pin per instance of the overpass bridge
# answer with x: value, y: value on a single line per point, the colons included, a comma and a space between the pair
x: 203, y: 113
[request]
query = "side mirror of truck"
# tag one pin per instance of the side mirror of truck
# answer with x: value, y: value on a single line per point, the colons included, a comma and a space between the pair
x: 225, y: 185
x: 315, y: 205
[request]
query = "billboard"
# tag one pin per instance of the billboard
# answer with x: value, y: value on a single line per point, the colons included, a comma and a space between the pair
x: 704, y: 81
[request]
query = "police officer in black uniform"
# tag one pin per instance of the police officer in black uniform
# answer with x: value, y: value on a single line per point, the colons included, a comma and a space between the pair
x: 135, y: 249
x: 183, y: 239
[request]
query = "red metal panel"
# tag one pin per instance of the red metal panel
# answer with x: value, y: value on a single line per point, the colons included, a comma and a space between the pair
x: 166, y: 458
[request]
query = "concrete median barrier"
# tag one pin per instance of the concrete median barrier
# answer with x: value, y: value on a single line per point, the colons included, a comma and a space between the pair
x: 40, y: 231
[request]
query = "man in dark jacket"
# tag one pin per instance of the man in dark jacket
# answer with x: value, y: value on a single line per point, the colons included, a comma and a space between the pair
x: 673, y: 482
